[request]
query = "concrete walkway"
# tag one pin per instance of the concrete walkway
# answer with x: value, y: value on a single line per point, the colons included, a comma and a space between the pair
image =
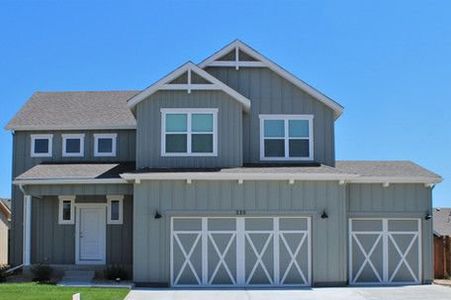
x: 424, y: 292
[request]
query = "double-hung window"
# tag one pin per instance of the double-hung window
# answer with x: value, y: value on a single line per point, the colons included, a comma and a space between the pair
x: 41, y: 145
x: 189, y: 132
x: 286, y: 137
x: 73, y: 145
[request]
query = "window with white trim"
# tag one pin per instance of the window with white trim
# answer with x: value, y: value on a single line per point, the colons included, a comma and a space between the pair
x: 66, y: 211
x: 115, y: 209
x: 286, y: 137
x: 73, y: 145
x: 41, y: 145
x: 189, y: 132
x: 105, y: 144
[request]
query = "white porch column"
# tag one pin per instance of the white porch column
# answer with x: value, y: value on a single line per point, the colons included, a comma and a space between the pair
x: 26, y: 230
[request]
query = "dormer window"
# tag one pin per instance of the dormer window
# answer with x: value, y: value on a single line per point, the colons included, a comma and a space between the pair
x: 41, y: 145
x: 189, y: 132
x: 286, y: 137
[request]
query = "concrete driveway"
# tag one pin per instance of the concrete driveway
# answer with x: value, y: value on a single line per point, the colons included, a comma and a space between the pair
x: 421, y: 292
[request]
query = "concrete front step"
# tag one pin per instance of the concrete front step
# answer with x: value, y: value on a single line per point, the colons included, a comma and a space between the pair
x: 78, y: 276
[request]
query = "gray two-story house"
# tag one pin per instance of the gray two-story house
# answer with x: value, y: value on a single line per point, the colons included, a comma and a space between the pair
x: 222, y: 173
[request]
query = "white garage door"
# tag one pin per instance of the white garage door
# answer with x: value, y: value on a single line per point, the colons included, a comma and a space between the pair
x: 384, y: 251
x: 240, y: 251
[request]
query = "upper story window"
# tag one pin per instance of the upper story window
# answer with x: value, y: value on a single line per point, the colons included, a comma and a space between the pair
x: 286, y: 137
x: 73, y: 145
x: 105, y: 144
x: 41, y: 145
x: 189, y: 132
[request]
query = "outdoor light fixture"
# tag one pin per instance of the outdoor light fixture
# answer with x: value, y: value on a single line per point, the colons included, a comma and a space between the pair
x: 428, y: 216
x: 324, y: 215
x: 157, y: 215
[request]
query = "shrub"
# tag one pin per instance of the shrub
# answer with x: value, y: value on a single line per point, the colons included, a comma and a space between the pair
x: 3, y: 274
x: 114, y: 272
x: 41, y: 272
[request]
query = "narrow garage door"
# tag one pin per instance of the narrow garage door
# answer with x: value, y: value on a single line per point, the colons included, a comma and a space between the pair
x: 242, y: 251
x: 384, y: 251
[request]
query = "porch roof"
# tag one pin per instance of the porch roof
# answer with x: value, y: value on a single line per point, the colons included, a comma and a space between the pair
x: 49, y: 173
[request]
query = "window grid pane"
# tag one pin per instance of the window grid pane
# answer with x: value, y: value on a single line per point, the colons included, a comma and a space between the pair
x: 274, y: 128
x: 105, y: 145
x: 41, y: 146
x: 114, y: 210
x: 67, y: 210
x: 73, y: 145
x: 298, y: 128
x: 202, y: 122
x: 176, y: 122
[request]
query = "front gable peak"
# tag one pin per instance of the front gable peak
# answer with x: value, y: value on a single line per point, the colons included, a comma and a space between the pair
x: 189, y: 77
x: 237, y: 54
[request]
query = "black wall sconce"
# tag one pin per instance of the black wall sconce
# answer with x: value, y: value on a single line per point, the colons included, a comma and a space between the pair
x: 324, y: 215
x: 157, y: 215
x: 428, y: 216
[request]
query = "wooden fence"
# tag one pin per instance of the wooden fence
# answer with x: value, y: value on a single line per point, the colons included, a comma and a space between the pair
x: 442, y: 257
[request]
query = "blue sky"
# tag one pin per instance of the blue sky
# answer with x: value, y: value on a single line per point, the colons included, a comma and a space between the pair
x: 387, y: 62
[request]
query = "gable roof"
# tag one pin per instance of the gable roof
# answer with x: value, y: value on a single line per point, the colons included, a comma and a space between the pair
x: 166, y: 84
x: 441, y: 218
x: 262, y: 61
x: 75, y: 110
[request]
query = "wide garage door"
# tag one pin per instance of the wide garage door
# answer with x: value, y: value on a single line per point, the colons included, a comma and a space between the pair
x: 384, y: 251
x: 240, y: 251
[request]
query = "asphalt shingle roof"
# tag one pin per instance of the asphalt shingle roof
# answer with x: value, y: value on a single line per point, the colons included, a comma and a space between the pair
x: 76, y: 171
x: 442, y: 221
x: 80, y: 110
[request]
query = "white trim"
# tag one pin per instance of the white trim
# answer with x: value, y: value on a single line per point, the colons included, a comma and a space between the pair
x: 64, y: 127
x: 69, y: 181
x: 285, y: 118
x: 26, y: 257
x: 120, y: 199
x: 35, y: 137
x: 98, y: 136
x: 189, y: 66
x: 338, y: 109
x: 80, y: 137
x: 78, y: 261
x: 241, y: 176
x: 189, y: 112
x: 61, y: 200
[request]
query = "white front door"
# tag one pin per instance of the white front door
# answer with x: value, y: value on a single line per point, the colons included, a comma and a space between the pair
x: 90, y: 234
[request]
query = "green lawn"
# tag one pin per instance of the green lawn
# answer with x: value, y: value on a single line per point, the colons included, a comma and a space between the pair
x: 34, y: 291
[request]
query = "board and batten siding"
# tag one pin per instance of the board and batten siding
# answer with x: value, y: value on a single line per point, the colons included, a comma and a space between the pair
x: 271, y: 94
x: 151, y: 236
x: 22, y: 161
x: 148, y: 115
x: 54, y: 243
x: 396, y: 201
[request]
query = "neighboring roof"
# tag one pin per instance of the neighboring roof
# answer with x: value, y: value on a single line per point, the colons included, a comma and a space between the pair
x: 385, y: 172
x: 392, y: 171
x: 213, y: 83
x: 5, y: 207
x: 50, y: 173
x: 442, y: 221
x: 75, y: 110
x: 239, y: 45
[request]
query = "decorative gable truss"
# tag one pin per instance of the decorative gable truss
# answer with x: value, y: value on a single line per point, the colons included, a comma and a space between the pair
x: 189, y: 77
x: 237, y: 54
